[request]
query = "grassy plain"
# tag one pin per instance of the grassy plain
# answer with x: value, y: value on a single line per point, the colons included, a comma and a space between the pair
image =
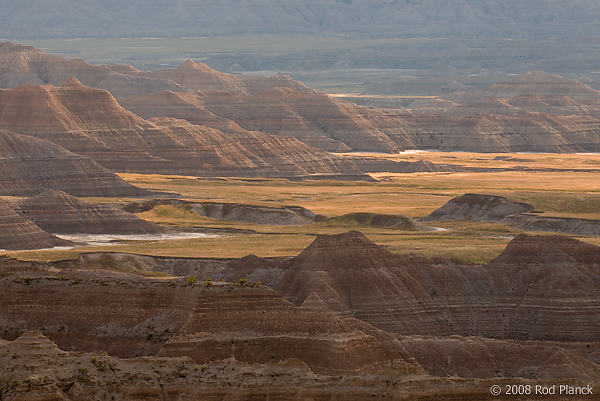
x: 572, y: 193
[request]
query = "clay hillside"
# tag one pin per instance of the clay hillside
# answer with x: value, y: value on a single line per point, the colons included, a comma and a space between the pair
x: 534, y: 111
x: 411, y: 294
x: 342, y: 307
x: 57, y: 212
x: 310, y: 116
x: 89, y: 122
x: 487, y: 208
x: 25, y: 65
x: 18, y: 232
x: 31, y: 165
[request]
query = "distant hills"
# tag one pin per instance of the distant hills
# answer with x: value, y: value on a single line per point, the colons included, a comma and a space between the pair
x: 89, y: 122
x: 193, y: 120
x: 354, y: 18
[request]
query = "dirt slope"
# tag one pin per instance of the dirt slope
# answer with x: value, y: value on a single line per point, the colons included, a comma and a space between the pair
x: 19, y: 232
x: 58, y: 212
x: 32, y: 165
x: 90, y: 122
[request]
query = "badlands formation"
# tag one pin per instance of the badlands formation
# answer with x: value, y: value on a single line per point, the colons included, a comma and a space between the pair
x: 29, y: 223
x: 516, y: 115
x: 497, y: 209
x: 31, y: 165
x: 345, y: 317
x: 91, y: 123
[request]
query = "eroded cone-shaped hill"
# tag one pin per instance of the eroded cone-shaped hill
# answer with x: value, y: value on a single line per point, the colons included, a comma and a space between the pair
x: 555, y: 250
x: 541, y: 83
x: 349, y: 274
x: 538, y: 299
x: 58, y: 212
x: 487, y: 208
x: 25, y: 65
x: 200, y: 77
x: 21, y: 233
x: 89, y: 122
x: 31, y: 165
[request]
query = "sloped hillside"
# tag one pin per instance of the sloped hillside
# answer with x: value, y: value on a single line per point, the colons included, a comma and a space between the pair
x: 90, y: 122
x: 57, y: 212
x: 19, y: 232
x: 31, y: 165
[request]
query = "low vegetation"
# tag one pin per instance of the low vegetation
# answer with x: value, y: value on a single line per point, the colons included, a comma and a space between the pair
x: 554, y: 193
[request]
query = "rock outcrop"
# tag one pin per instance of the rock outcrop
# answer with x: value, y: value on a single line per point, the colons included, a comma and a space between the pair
x: 534, y: 111
x: 550, y: 302
x: 58, y: 212
x: 129, y: 316
x: 25, y: 65
x: 34, y: 369
x: 497, y: 209
x: 200, y: 77
x: 540, y: 83
x: 312, y: 117
x: 486, y: 208
x: 31, y: 165
x: 19, y: 232
x: 562, y: 225
x: 279, y: 216
x: 521, y: 295
x: 258, y: 326
x: 483, y: 357
x: 90, y: 122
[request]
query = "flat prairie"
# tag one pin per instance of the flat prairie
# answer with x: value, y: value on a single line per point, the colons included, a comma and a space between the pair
x: 556, y: 185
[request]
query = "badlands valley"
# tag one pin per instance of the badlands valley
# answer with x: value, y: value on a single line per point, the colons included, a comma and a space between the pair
x: 187, y: 234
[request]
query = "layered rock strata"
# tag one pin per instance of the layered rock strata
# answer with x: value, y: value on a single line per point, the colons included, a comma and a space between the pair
x: 31, y: 165
x: 539, y: 288
x: 534, y: 111
x: 19, y: 232
x: 311, y: 117
x: 58, y: 212
x: 129, y: 316
x: 90, y: 122
x: 35, y: 369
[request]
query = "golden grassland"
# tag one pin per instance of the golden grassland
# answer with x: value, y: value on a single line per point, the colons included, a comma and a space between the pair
x: 555, y: 193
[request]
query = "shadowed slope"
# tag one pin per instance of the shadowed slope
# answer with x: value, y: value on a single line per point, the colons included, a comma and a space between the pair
x: 127, y: 315
x: 89, y: 121
x: 20, y: 233
x: 30, y: 166
x: 57, y: 212
x: 549, y: 296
